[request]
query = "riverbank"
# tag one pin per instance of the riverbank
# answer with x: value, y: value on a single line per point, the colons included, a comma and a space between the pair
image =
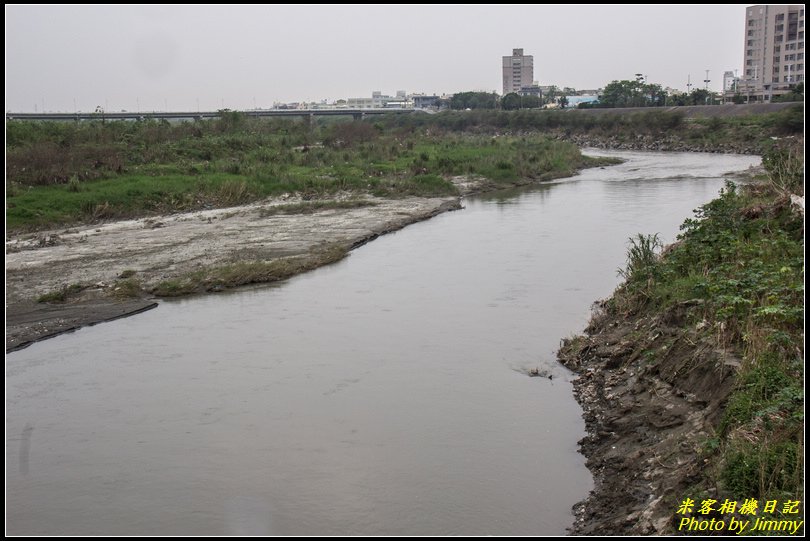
x: 690, y: 374
x: 120, y: 213
x: 666, y: 143
x: 60, y: 280
x: 94, y: 273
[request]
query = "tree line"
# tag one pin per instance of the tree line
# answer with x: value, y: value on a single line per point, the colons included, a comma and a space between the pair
x: 625, y: 93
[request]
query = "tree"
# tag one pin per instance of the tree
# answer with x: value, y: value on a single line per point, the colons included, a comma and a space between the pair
x: 635, y: 93
x: 510, y: 102
x: 442, y: 104
x: 678, y: 98
x: 622, y: 94
x: 552, y: 94
x: 658, y: 96
x: 474, y: 100
x: 531, y: 102
x: 701, y: 96
x: 563, y: 101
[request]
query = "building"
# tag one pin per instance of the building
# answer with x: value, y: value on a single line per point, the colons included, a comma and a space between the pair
x: 729, y: 81
x: 773, y: 60
x: 518, y: 71
x: 731, y: 86
x: 533, y: 90
x: 575, y: 101
x: 378, y: 100
x: 422, y: 101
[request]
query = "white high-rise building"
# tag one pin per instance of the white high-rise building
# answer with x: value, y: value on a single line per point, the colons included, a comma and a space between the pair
x: 773, y: 59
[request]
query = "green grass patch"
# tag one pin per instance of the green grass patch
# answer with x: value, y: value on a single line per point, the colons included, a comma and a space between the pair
x: 89, y: 172
x: 772, y: 470
x: 248, y: 272
x: 123, y: 197
x: 60, y: 295
x: 128, y: 288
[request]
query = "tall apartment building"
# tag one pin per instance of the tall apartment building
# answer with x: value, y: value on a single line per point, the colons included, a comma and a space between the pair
x: 518, y: 71
x: 774, y: 51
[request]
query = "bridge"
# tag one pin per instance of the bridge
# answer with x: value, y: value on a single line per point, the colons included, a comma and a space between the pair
x: 357, y: 114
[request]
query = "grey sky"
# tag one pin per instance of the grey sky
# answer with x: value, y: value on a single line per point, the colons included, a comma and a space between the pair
x: 185, y: 57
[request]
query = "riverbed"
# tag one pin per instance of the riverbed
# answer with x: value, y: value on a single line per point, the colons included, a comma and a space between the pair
x: 384, y: 394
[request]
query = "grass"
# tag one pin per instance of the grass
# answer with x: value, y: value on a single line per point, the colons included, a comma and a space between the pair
x: 739, y: 265
x: 128, y: 288
x: 642, y: 264
x: 63, y: 174
x: 60, y: 295
x: 122, y: 197
x: 248, y: 272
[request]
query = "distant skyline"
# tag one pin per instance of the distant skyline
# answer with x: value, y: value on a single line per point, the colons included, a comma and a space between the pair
x: 203, y: 57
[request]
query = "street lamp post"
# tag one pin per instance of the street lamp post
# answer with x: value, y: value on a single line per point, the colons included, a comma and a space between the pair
x: 707, y: 80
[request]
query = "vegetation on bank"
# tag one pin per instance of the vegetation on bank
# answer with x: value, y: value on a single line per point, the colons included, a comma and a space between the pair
x: 248, y: 272
x: 67, y: 173
x: 754, y: 128
x: 739, y: 268
x: 63, y: 173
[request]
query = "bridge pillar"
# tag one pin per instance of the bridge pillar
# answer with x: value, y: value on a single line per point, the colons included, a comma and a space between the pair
x: 358, y: 116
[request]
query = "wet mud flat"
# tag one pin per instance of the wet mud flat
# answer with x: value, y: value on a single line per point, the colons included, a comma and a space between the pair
x: 94, y: 259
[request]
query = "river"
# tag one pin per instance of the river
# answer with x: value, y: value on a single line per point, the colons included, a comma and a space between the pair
x: 385, y: 394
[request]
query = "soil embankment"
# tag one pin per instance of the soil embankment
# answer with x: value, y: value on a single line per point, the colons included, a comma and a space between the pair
x: 646, y: 421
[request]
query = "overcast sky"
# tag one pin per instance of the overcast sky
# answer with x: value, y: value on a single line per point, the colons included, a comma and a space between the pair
x: 66, y: 58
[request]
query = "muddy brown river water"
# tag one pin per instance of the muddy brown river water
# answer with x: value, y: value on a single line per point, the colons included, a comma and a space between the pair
x: 385, y: 394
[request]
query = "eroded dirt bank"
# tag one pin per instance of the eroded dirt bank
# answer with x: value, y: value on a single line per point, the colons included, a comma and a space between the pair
x: 651, y: 392
x: 152, y: 250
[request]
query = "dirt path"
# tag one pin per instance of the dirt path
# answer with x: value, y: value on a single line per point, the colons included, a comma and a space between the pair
x: 151, y: 250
